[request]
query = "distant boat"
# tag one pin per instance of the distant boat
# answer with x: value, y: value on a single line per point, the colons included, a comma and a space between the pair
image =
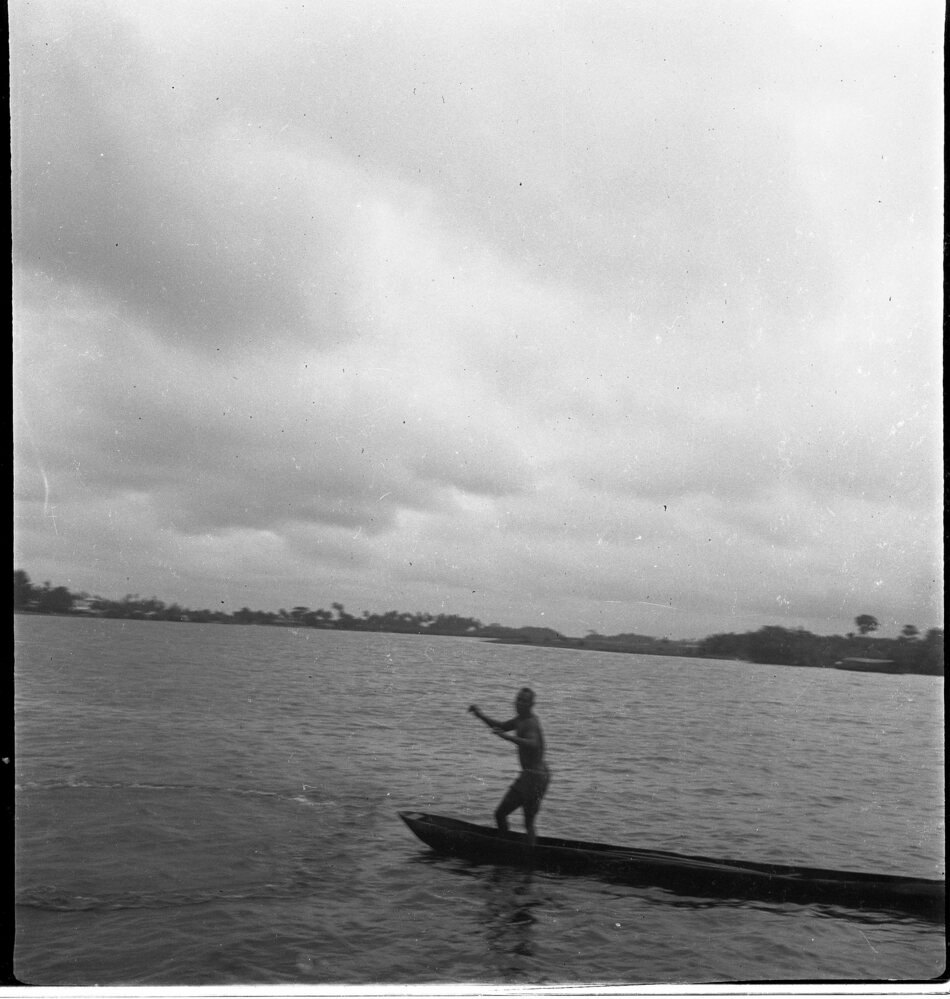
x: 868, y: 665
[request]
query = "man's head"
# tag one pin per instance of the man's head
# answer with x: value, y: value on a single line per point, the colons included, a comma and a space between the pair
x: 524, y: 701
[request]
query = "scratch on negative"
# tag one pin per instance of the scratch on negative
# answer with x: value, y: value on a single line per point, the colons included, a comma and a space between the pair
x: 868, y: 942
x: 47, y: 507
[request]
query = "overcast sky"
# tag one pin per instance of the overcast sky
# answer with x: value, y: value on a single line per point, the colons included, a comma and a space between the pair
x: 606, y: 316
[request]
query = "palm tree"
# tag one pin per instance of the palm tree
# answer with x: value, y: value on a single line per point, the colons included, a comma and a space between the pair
x: 866, y: 623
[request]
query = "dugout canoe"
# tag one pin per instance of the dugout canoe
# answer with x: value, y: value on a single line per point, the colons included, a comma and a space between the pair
x: 685, y: 875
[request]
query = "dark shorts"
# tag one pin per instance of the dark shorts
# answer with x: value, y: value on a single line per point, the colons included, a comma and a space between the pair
x: 530, y: 785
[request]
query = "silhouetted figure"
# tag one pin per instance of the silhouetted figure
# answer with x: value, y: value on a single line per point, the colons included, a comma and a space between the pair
x: 528, y: 790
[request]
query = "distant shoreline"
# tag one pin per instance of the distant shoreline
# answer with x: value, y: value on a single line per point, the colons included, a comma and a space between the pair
x: 548, y: 639
x: 771, y: 644
x: 582, y: 645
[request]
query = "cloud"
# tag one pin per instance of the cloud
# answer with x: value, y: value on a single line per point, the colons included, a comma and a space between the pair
x: 595, y: 313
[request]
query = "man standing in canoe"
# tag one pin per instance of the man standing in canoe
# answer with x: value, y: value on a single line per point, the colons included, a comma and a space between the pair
x: 528, y: 790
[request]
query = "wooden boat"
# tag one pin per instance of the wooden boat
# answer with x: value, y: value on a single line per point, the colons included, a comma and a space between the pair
x: 682, y: 874
x: 858, y: 665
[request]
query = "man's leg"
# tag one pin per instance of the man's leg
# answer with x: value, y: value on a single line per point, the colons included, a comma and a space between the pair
x: 509, y: 803
x: 532, y: 806
x: 531, y: 809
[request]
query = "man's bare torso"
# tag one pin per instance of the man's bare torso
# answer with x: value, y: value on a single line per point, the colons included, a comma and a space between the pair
x: 531, y: 757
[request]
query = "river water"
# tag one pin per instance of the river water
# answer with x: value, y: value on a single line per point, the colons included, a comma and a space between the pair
x: 216, y: 805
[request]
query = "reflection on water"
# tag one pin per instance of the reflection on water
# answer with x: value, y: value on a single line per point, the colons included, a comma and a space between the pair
x: 509, y: 920
x: 510, y: 913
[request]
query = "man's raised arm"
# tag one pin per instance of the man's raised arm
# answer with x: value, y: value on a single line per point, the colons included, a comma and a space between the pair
x: 490, y: 722
x: 530, y: 736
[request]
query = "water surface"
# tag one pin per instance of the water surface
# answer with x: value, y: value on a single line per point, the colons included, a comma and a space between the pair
x: 214, y: 805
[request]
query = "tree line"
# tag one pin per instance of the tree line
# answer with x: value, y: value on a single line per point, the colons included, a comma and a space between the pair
x: 48, y: 599
x: 911, y: 652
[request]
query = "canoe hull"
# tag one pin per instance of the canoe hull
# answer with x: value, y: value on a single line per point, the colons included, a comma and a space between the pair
x: 682, y: 874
